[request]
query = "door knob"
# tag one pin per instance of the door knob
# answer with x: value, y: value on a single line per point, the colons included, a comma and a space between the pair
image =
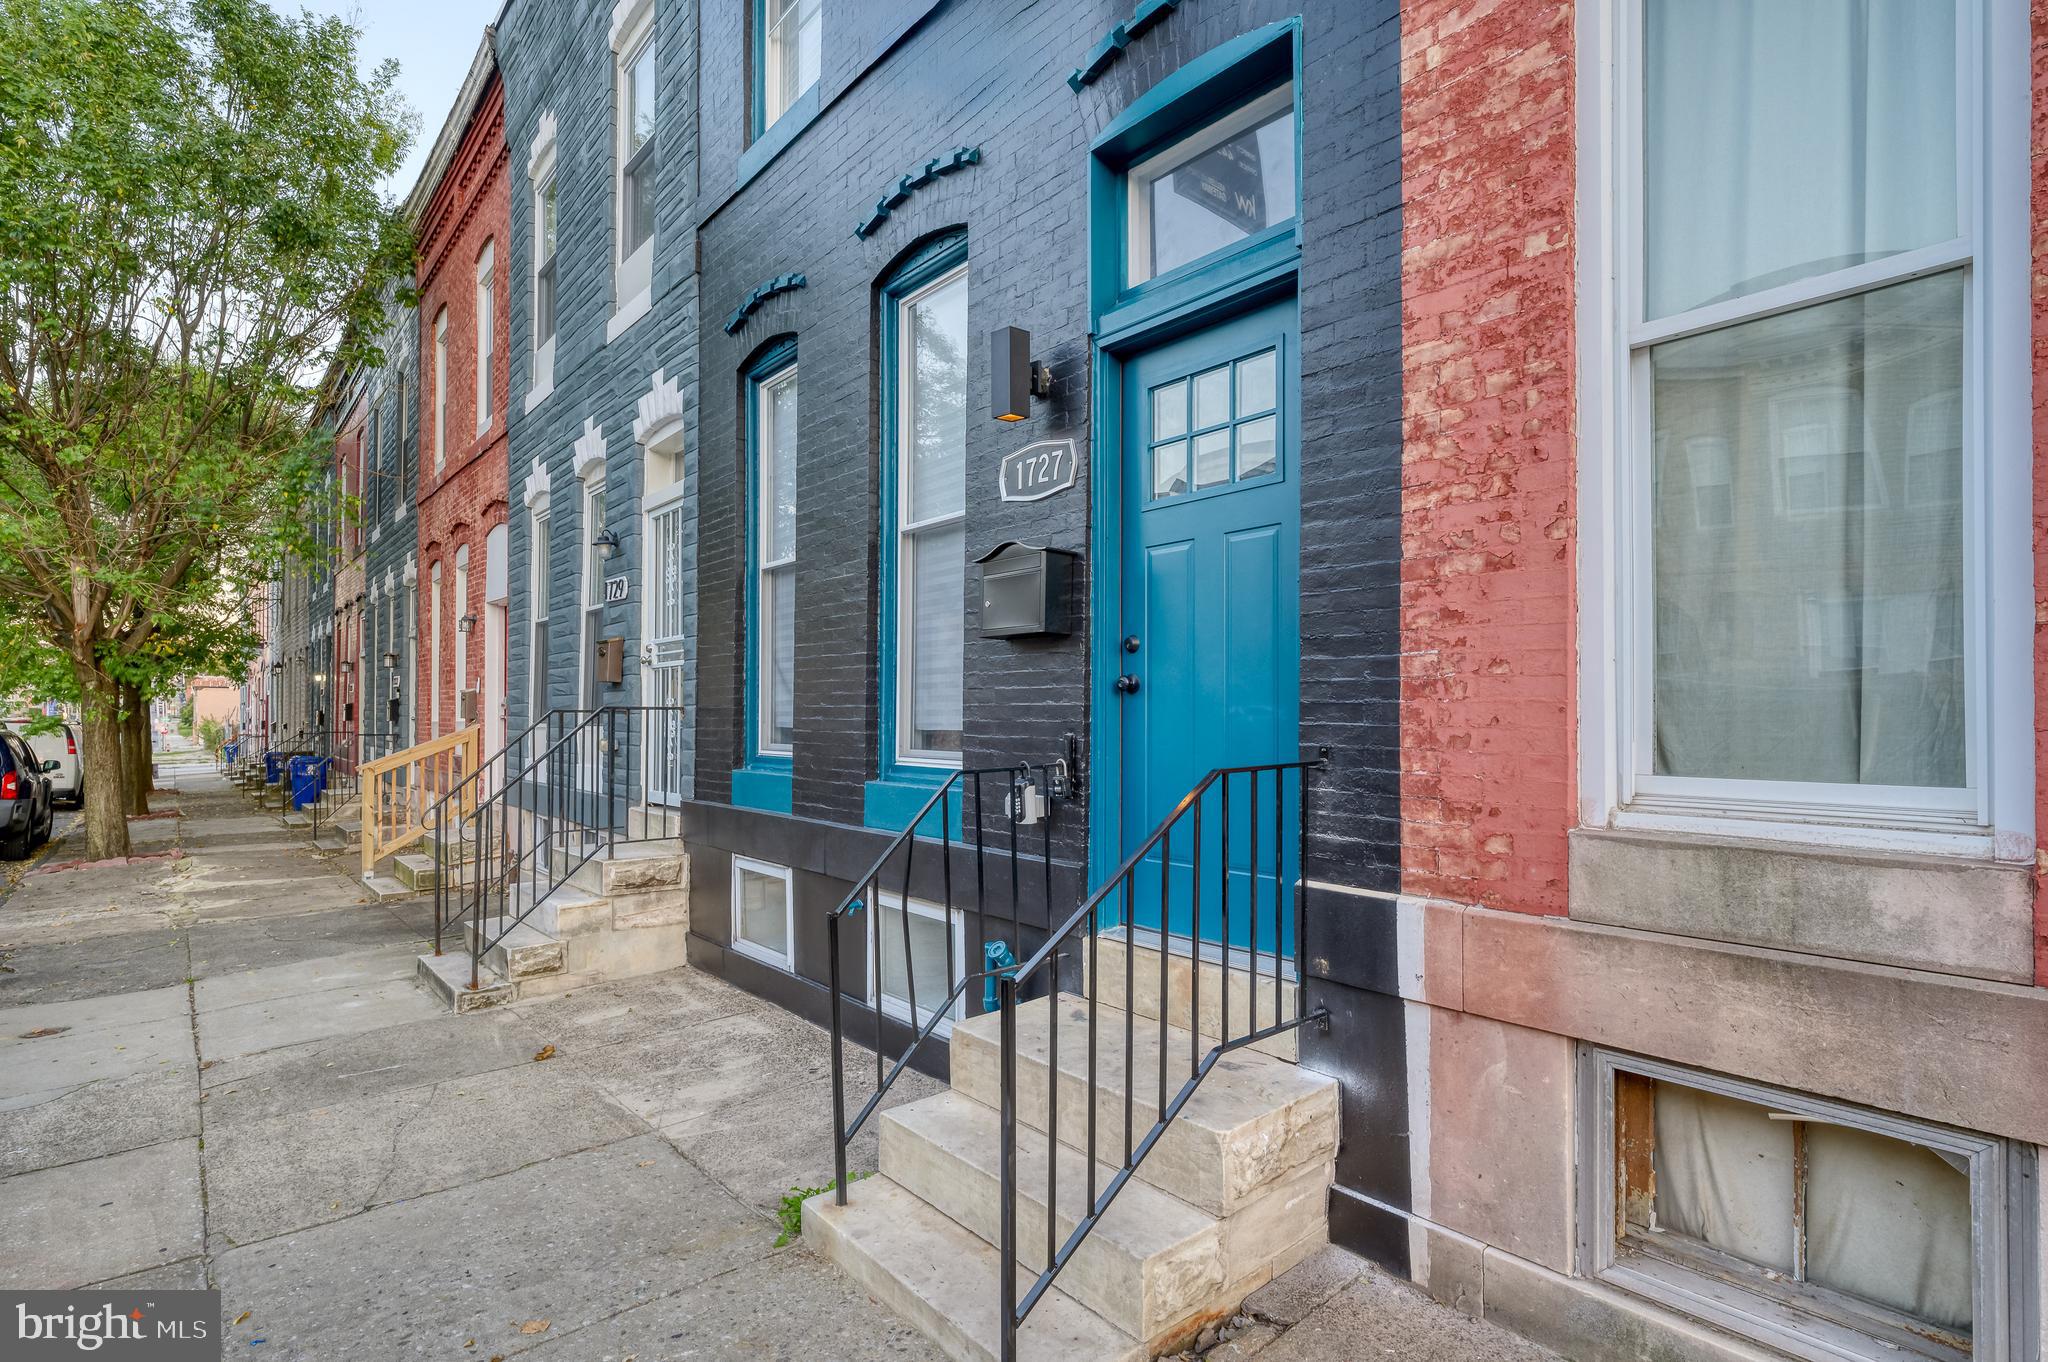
x: 1126, y: 685
x: 1131, y: 644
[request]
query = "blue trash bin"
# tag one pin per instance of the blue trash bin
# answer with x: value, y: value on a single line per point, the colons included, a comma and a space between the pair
x: 273, y: 767
x: 229, y: 751
x: 309, y: 778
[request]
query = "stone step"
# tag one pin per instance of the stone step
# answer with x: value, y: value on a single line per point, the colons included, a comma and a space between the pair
x: 1253, y: 1122
x: 385, y: 887
x: 1252, y: 990
x: 633, y: 866
x: 942, y: 1279
x: 520, y: 951
x: 415, y: 871
x: 296, y: 819
x: 1149, y: 1263
x: 447, y: 976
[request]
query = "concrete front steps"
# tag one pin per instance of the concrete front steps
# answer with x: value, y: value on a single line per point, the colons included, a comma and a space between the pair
x: 616, y: 916
x: 1235, y: 1191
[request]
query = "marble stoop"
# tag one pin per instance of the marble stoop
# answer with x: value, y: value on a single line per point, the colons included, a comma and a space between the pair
x: 415, y: 870
x: 1198, y: 984
x: 448, y: 977
x: 1234, y: 1192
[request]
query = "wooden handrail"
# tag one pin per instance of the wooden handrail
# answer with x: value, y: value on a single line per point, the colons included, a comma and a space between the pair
x: 397, y: 791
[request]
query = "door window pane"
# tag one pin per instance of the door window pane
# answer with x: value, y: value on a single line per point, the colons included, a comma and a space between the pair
x: 1170, y: 410
x: 1257, y: 454
x: 1212, y: 398
x: 763, y: 911
x: 1212, y: 458
x: 1257, y: 386
x: 1226, y: 183
x: 1807, y: 610
x: 1787, y: 138
x: 1170, y: 469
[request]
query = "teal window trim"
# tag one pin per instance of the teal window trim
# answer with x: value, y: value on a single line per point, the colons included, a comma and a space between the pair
x: 1203, y: 90
x: 900, y: 788
x: 764, y: 780
x: 765, y: 138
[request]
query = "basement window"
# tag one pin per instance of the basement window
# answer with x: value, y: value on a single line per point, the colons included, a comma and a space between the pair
x: 1826, y: 1231
x: 763, y: 912
x: 937, y: 959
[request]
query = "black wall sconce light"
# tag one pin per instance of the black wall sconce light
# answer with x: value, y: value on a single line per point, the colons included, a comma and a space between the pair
x: 467, y: 624
x: 1013, y: 375
x: 606, y: 544
x: 391, y: 660
x: 347, y: 668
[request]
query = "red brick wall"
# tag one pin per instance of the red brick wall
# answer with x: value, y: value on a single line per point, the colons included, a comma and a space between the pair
x: 459, y: 504
x: 2039, y: 213
x: 1487, y: 593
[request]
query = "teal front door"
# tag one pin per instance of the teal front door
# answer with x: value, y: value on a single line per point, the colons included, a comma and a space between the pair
x: 1211, y: 638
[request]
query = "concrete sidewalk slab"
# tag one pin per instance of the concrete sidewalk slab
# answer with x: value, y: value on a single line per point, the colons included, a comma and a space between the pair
x: 274, y: 1022
x: 667, y: 1005
x: 99, y: 966
x: 573, y: 1242
x: 85, y: 1055
x: 88, y: 1221
x: 391, y: 1059
x: 169, y: 1002
x: 283, y: 1173
x: 42, y: 1130
x: 792, y: 1307
x: 235, y: 979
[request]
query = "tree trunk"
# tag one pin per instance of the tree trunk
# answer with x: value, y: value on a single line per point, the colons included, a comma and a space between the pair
x: 106, y: 813
x: 138, y: 773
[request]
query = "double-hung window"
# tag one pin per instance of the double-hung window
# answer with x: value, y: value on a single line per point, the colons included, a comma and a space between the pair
x: 789, y: 40
x: 638, y: 154
x: 928, y: 501
x: 773, y: 700
x: 1805, y: 412
x: 486, y: 273
x: 543, y: 377
x: 537, y: 660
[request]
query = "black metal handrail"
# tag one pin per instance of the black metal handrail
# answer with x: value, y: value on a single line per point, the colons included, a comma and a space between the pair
x: 521, y: 754
x: 963, y: 783
x: 1118, y: 893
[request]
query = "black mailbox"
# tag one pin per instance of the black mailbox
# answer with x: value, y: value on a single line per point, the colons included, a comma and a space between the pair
x: 1025, y: 590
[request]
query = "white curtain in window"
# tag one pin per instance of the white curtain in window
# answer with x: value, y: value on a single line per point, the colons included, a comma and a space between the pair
x: 1787, y: 138
x: 1807, y: 538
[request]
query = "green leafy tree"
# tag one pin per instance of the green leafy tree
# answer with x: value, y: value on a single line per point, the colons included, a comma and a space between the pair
x: 190, y: 231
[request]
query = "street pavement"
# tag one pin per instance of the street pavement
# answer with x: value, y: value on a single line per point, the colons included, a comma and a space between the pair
x: 216, y: 1070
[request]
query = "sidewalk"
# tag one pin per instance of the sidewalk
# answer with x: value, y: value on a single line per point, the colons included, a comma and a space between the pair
x: 215, y: 1069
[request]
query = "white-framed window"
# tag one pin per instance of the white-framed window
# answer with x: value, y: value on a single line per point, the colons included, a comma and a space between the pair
x: 434, y: 651
x: 593, y: 587
x: 792, y: 46
x: 537, y: 662
x: 763, y: 912
x: 1824, y: 1230
x: 937, y: 961
x: 1227, y: 181
x: 931, y: 519
x: 637, y: 153
x: 486, y: 272
x: 544, y: 227
x: 462, y: 616
x: 775, y: 418
x: 440, y: 388
x: 1799, y: 551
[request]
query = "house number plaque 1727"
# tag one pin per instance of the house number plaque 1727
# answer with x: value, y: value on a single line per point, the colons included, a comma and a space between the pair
x: 1038, y: 470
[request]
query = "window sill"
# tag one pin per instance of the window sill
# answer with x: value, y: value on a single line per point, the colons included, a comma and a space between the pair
x: 891, y: 802
x: 764, y: 787
x: 622, y: 321
x: 1914, y: 910
x: 778, y: 135
x: 538, y: 395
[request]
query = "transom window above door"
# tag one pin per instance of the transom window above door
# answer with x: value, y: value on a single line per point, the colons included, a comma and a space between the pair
x: 1216, y: 427
x: 1229, y: 181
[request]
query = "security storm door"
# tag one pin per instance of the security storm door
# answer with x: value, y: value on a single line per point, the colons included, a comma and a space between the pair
x: 1210, y: 636
x: 665, y: 623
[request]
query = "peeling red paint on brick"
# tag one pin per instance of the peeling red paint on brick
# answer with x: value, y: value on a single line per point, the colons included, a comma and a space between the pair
x: 1487, y: 632
x: 461, y: 502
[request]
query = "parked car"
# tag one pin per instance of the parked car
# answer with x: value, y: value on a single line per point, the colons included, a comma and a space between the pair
x: 27, y: 811
x: 61, y: 745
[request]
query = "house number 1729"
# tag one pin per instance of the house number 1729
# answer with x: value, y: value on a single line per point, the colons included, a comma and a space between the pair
x: 1038, y: 470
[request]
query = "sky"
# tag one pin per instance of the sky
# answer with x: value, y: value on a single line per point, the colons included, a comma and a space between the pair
x: 433, y: 42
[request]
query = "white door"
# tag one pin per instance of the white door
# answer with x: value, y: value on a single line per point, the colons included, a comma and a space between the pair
x: 667, y: 746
